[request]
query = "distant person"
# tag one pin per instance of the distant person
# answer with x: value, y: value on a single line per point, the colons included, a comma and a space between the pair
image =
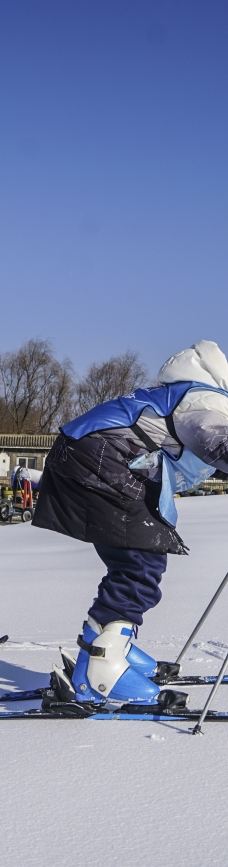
x: 109, y: 479
x: 20, y: 474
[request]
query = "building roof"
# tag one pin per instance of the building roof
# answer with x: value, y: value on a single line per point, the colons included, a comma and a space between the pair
x: 42, y: 442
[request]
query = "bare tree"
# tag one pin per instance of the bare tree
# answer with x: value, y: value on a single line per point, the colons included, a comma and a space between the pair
x: 5, y: 418
x: 37, y: 393
x: 120, y: 375
x: 36, y: 390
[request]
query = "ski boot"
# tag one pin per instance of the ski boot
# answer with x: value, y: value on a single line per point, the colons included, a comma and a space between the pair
x: 159, y: 671
x: 104, y: 673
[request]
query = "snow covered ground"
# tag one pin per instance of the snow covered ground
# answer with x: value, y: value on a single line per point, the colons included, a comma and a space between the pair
x: 94, y: 793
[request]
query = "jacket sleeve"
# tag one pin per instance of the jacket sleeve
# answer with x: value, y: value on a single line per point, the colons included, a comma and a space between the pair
x: 201, y: 423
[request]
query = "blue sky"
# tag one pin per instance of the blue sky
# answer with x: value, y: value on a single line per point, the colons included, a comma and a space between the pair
x: 113, y: 176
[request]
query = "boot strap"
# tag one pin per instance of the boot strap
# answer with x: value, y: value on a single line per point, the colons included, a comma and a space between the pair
x: 93, y: 651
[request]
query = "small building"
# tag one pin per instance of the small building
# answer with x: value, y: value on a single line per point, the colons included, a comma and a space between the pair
x: 25, y: 450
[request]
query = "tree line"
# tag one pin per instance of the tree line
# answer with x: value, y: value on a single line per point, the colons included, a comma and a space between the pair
x: 38, y: 393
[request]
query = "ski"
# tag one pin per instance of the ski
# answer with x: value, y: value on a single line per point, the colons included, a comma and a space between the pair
x: 189, y: 680
x: 23, y: 695
x: 73, y: 710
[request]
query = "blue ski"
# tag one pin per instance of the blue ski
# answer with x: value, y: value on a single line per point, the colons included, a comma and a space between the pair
x: 191, y: 680
x: 58, y: 712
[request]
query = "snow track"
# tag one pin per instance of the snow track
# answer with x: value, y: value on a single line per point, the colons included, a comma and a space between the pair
x: 125, y: 793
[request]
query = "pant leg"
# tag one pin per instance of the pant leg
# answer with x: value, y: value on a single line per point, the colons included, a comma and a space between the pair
x: 131, y: 585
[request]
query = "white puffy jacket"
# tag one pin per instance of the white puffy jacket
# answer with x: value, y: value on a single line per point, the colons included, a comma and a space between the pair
x: 201, y: 419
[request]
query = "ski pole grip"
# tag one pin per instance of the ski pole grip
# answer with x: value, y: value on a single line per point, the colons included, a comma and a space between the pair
x: 204, y: 615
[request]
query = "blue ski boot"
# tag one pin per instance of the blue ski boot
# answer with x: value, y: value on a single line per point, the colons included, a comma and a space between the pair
x: 141, y: 661
x: 159, y: 671
x: 103, y: 671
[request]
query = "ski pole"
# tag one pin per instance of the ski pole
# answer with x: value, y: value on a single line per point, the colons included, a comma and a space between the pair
x: 197, y: 728
x: 204, y: 615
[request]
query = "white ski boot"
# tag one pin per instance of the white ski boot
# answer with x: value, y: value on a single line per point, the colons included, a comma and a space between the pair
x: 103, y: 670
x: 160, y: 672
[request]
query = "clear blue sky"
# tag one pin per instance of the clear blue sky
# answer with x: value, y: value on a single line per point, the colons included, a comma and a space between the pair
x: 113, y: 175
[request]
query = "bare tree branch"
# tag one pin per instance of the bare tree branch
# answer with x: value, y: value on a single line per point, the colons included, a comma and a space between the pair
x: 37, y: 393
x: 36, y: 388
x: 120, y: 375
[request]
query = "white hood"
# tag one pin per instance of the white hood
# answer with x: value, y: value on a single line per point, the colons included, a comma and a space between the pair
x: 203, y: 362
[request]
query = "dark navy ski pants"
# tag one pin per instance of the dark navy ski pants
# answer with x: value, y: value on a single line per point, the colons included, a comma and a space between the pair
x: 131, y: 585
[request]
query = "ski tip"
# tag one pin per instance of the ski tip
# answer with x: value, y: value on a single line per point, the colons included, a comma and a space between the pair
x: 3, y: 639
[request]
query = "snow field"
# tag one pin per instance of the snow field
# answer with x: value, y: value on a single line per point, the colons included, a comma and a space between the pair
x: 94, y: 793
